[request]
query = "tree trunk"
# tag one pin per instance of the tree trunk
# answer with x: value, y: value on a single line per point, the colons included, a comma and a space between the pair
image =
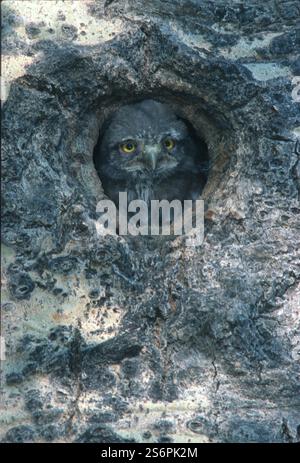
x: 121, y: 338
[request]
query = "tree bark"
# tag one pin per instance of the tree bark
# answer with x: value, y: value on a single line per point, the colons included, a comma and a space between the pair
x: 116, y: 339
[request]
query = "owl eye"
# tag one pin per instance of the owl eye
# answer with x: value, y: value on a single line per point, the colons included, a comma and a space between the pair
x: 128, y: 146
x: 169, y: 143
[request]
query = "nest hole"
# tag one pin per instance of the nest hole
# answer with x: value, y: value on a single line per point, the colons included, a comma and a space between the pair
x: 201, y: 159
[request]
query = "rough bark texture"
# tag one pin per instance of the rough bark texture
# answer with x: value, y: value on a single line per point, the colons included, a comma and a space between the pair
x: 120, y: 339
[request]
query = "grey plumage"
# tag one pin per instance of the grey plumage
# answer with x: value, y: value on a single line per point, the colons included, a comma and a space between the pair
x: 149, y: 152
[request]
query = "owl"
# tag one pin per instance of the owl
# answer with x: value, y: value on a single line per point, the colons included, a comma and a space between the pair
x: 150, y: 153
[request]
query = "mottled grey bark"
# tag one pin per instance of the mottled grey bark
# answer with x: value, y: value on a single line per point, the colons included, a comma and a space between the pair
x: 127, y: 339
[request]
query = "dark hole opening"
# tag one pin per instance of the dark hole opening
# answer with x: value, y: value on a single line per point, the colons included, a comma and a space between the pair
x: 201, y: 158
x: 23, y: 289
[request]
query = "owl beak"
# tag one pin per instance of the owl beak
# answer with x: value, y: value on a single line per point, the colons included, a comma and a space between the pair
x: 151, y: 155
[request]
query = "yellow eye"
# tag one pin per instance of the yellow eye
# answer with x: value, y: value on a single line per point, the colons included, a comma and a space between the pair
x: 169, y: 143
x: 128, y: 146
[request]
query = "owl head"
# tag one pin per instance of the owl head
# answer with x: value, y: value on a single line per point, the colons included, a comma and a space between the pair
x: 145, y: 140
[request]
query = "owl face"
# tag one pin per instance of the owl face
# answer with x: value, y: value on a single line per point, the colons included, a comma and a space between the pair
x: 144, y: 140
